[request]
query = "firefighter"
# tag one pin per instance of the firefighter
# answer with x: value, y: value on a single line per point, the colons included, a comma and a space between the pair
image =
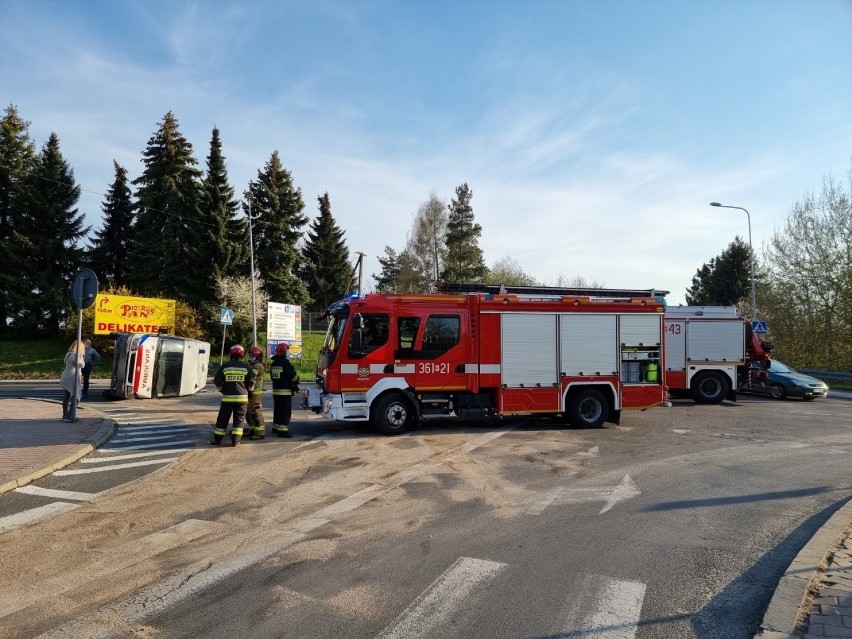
x: 254, y: 417
x: 234, y: 380
x: 285, y: 381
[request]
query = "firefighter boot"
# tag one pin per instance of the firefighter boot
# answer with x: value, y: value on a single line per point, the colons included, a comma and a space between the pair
x: 282, y: 430
x: 235, y: 441
x: 259, y: 432
x: 218, y: 434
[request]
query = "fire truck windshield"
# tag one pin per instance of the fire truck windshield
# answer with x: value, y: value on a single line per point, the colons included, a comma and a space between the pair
x: 336, y: 326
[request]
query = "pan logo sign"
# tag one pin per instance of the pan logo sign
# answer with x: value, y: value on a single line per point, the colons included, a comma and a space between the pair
x: 123, y: 314
x: 143, y: 311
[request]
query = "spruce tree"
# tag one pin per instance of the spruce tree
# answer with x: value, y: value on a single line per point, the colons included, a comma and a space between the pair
x: 326, y: 272
x: 223, y: 245
x: 464, y: 260
x: 725, y: 280
x: 110, y: 246
x: 45, y: 238
x: 276, y: 211
x: 17, y: 160
x: 166, y: 259
x: 391, y: 264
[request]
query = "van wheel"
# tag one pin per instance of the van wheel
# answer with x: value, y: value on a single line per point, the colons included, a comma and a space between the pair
x: 589, y: 409
x: 709, y: 387
x: 392, y: 415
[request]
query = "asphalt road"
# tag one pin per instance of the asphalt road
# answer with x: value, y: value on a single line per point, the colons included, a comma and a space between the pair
x: 676, y: 524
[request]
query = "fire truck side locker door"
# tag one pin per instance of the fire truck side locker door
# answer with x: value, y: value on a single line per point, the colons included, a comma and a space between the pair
x: 717, y: 341
x: 641, y: 336
x: 588, y: 344
x: 675, y: 353
x: 530, y: 381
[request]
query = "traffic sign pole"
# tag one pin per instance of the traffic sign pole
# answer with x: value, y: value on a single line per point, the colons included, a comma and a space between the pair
x: 83, y: 293
x: 226, y: 316
x: 222, y: 354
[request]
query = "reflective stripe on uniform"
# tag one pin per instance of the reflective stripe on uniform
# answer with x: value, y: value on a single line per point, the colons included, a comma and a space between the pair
x: 235, y: 399
x: 282, y: 391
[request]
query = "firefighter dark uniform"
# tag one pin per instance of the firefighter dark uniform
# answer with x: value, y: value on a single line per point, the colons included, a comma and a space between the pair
x: 234, y: 380
x: 285, y: 381
x: 254, y: 416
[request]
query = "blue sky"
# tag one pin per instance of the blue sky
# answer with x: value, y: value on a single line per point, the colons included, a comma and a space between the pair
x: 593, y: 134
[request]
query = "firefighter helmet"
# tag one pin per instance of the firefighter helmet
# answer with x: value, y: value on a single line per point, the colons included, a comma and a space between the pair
x: 282, y: 348
x: 237, y: 350
x: 255, y: 352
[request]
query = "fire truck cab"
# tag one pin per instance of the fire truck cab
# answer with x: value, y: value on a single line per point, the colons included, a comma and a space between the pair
x: 585, y: 354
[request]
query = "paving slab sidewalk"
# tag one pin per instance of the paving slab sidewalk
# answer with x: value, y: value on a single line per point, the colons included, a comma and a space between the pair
x: 34, y: 441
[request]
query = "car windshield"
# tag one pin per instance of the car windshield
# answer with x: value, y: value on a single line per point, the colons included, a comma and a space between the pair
x: 780, y: 367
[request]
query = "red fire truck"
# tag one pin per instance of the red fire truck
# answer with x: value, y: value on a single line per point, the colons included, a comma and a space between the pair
x: 585, y: 354
x: 708, y: 351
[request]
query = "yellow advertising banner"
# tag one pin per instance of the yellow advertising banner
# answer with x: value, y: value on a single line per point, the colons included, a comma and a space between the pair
x: 125, y: 314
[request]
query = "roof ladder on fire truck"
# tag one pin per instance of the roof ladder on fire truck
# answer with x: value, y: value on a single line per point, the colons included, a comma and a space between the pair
x: 550, y: 291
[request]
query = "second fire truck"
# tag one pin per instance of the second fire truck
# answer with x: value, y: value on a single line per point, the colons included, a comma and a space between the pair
x: 708, y: 352
x: 585, y: 354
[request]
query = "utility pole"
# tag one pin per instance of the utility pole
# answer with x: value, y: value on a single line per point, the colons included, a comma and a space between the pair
x: 360, y: 272
x: 251, y: 260
x: 359, y: 265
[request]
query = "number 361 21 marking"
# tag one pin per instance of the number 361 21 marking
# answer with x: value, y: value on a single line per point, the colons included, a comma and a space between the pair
x: 433, y: 367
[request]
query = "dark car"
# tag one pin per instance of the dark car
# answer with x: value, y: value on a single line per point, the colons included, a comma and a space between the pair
x: 783, y: 381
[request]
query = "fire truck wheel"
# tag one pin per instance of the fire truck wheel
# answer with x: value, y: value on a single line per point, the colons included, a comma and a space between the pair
x: 589, y: 409
x: 709, y: 387
x: 392, y: 415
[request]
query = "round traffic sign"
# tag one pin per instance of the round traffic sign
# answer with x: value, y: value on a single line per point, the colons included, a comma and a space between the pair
x: 85, y: 288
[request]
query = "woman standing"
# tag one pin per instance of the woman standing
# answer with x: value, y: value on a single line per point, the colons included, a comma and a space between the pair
x: 73, y: 372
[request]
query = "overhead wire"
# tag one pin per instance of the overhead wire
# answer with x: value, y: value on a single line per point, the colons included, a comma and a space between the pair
x: 104, y: 195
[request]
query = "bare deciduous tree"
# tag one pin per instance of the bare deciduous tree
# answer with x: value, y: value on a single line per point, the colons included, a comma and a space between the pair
x: 234, y: 293
x: 427, y: 241
x: 809, y: 292
x: 507, y: 271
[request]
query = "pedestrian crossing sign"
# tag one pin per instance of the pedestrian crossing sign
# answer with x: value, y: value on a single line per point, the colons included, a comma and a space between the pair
x: 759, y: 326
x: 227, y: 316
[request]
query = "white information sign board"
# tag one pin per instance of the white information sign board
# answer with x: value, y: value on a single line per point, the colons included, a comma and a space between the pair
x: 284, y: 324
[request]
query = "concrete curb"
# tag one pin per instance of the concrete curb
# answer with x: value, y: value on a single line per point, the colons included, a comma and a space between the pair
x: 94, y: 441
x: 791, y: 604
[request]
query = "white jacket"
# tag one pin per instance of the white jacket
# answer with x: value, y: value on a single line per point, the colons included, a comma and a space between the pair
x: 66, y: 381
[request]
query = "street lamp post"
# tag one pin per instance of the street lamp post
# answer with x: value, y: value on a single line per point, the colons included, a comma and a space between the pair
x: 251, y: 260
x: 750, y: 254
